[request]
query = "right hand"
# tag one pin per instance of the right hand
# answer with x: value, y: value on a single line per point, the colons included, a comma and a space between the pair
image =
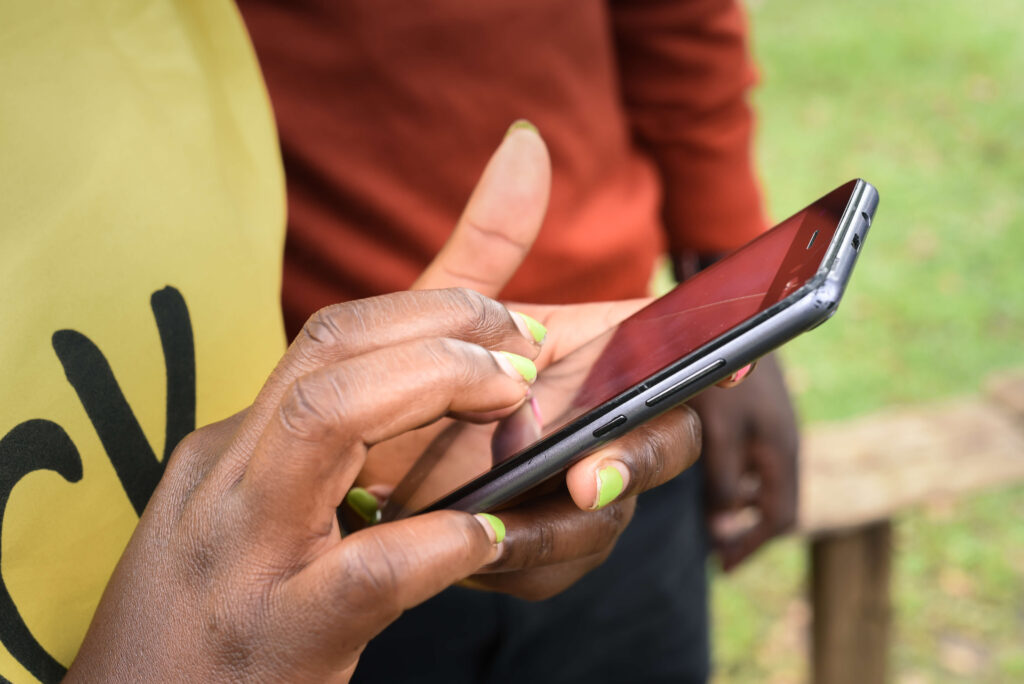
x: 238, y: 570
x: 554, y: 538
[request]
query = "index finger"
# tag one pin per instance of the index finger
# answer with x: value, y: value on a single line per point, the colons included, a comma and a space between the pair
x: 351, y: 329
x: 307, y: 457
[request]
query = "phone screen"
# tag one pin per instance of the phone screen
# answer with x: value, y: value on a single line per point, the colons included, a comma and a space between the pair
x: 721, y: 297
x: 640, y: 350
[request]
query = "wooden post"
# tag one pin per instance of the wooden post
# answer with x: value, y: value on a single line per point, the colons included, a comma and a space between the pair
x: 851, y: 478
x: 850, y: 598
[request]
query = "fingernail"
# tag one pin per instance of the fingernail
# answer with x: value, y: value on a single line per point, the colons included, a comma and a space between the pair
x: 493, y: 526
x: 533, y: 327
x: 364, y: 504
x: 741, y: 373
x: 610, y: 484
x: 521, y: 124
x: 519, y: 364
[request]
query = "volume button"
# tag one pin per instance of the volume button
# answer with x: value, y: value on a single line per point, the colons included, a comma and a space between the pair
x: 609, y: 426
x: 689, y: 379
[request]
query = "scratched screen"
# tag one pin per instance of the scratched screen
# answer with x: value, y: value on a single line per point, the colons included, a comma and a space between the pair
x: 719, y: 298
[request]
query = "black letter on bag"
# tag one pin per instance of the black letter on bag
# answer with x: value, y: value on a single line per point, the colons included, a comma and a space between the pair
x: 172, y: 320
x: 134, y: 460
x: 32, y: 445
x: 44, y: 445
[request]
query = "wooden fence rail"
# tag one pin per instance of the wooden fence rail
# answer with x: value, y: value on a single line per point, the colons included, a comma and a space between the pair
x: 856, y: 476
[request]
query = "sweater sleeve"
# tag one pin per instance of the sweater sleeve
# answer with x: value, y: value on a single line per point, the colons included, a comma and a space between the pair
x: 685, y: 71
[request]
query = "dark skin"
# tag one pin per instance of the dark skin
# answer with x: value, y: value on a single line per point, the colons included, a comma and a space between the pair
x: 238, y: 568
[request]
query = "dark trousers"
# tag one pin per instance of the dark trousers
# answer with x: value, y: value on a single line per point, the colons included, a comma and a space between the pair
x: 641, y: 617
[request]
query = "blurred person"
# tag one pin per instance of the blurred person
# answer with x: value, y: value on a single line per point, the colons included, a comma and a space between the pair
x: 385, y: 115
x: 142, y: 262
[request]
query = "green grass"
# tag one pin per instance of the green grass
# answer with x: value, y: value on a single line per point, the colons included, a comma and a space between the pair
x: 926, y: 101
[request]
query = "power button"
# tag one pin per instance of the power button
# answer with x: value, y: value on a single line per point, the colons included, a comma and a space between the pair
x: 685, y: 382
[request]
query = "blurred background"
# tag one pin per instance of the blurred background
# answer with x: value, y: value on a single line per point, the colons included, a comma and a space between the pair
x: 925, y: 101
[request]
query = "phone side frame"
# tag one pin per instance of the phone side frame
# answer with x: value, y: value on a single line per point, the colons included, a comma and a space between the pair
x: 803, y: 310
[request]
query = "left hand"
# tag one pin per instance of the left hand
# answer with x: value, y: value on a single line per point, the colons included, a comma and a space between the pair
x: 750, y: 462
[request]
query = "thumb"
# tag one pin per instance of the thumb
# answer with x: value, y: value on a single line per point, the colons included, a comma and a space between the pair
x: 501, y: 219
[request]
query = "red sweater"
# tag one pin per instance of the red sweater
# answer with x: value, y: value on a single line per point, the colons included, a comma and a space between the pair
x: 388, y: 113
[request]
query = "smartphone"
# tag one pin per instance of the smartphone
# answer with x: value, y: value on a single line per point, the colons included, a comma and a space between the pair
x: 786, y: 281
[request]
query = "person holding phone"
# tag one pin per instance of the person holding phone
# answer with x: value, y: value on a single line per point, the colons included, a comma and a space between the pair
x: 143, y: 264
x: 643, y: 105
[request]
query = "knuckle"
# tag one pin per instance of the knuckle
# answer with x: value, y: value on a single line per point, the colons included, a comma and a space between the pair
x: 324, y: 329
x: 532, y: 546
x: 444, y: 351
x: 665, y: 450
x: 191, y: 451
x: 686, y: 437
x: 647, y: 461
x: 189, y: 464
x: 304, y: 413
x: 543, y: 542
x: 208, y: 550
x: 691, y: 439
x: 200, y: 555
x: 234, y: 637
x: 482, y: 315
x: 453, y: 358
x: 370, y: 584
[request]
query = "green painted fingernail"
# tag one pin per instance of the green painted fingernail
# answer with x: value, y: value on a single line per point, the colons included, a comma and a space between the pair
x: 537, y: 329
x: 523, y: 365
x: 364, y: 504
x: 609, y: 486
x: 521, y: 124
x: 495, y: 523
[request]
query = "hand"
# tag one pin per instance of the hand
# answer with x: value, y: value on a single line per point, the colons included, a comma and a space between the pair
x: 750, y: 462
x: 552, y: 540
x: 237, y: 569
